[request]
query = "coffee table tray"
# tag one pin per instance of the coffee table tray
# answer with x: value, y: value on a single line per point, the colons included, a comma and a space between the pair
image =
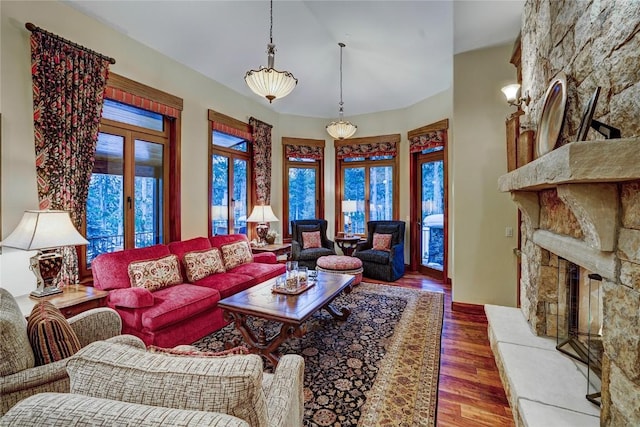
x: 296, y: 291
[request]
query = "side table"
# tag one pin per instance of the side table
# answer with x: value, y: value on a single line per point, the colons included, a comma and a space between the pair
x: 347, y: 244
x: 276, y: 249
x: 73, y: 300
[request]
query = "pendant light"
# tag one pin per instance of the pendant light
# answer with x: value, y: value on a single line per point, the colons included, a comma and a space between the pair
x: 269, y: 82
x: 341, y: 129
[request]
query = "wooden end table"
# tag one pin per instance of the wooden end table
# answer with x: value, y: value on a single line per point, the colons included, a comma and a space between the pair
x: 73, y: 300
x: 291, y: 311
x: 347, y: 244
x: 276, y: 249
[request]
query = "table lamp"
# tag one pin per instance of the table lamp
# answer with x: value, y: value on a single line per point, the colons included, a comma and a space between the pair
x: 348, y: 207
x: 45, y: 231
x: 262, y: 215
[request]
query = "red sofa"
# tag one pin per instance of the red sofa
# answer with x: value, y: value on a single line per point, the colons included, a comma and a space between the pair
x: 182, y: 313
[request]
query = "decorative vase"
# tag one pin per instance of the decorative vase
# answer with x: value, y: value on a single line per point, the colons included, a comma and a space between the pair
x: 270, y: 239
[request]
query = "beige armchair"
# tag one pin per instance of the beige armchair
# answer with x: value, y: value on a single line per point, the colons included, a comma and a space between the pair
x: 117, y: 384
x: 19, y: 377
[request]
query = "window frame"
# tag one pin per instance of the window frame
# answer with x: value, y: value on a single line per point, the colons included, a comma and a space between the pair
x: 367, y: 163
x: 317, y: 164
x: 231, y: 154
x: 171, y: 162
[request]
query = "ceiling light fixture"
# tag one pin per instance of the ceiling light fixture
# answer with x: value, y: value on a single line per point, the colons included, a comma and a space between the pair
x: 341, y: 129
x: 269, y: 82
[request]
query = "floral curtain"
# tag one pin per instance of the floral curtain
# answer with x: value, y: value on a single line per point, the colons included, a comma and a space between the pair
x: 261, y: 134
x: 303, y: 152
x: 68, y: 92
x: 367, y: 150
x: 433, y: 139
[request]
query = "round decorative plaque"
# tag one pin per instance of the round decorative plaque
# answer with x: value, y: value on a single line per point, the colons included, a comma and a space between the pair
x: 553, y: 112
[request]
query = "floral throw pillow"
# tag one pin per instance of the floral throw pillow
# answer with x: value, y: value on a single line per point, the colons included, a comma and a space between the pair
x: 311, y: 239
x: 156, y: 273
x: 203, y: 263
x: 235, y: 254
x: 382, y: 242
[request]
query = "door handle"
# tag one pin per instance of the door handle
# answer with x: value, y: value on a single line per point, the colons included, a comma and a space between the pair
x: 129, y: 202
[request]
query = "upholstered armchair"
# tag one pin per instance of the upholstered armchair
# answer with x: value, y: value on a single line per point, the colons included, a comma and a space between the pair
x: 382, y: 255
x: 307, y: 253
x: 127, y: 385
x: 19, y: 376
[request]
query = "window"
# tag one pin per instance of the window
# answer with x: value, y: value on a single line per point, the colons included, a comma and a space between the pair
x: 229, y: 166
x: 302, y: 181
x: 367, y: 180
x: 132, y: 176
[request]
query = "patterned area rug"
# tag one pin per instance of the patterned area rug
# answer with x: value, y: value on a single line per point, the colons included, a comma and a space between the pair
x: 378, y: 368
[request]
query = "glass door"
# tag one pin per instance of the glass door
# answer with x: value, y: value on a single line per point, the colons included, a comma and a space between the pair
x: 431, y: 206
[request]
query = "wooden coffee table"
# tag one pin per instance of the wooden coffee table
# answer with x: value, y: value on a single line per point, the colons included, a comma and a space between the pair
x: 291, y: 311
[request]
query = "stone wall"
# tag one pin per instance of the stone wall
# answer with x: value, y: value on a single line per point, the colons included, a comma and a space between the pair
x: 595, y: 43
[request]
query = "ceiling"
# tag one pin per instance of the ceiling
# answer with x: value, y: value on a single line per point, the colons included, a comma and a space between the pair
x: 397, y: 52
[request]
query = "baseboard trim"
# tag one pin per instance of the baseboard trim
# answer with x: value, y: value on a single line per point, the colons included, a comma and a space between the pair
x: 467, y: 308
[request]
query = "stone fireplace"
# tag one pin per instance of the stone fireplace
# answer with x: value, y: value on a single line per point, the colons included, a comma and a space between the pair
x: 581, y: 204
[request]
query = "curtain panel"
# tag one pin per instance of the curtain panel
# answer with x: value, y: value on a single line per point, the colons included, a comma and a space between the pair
x: 261, y: 144
x: 68, y: 92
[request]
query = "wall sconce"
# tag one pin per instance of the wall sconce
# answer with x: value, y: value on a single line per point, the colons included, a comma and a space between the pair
x: 511, y: 93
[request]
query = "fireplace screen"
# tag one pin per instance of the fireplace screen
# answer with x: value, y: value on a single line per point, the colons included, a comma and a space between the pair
x: 579, y: 321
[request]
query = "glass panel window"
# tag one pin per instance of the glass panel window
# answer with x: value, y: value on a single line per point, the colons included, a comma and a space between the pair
x: 302, y: 184
x: 240, y: 196
x: 354, y: 189
x: 105, y: 202
x: 433, y: 149
x: 148, y: 190
x: 124, y: 113
x: 221, y: 139
x: 381, y: 193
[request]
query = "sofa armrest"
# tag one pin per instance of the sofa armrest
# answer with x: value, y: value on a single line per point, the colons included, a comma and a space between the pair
x: 397, y: 251
x: 76, y: 409
x: 295, y: 250
x: 285, y: 399
x: 131, y: 298
x: 36, y: 378
x: 265, y: 258
x: 96, y: 324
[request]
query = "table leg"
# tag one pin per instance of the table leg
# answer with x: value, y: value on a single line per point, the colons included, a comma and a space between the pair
x: 267, y: 347
x: 341, y: 313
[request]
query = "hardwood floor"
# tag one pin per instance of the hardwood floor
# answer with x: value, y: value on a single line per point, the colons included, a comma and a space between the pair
x: 470, y: 391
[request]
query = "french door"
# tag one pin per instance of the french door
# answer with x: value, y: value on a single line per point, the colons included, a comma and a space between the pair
x: 429, y: 192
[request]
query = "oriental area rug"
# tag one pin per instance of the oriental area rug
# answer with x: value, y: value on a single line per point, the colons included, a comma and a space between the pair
x: 378, y: 368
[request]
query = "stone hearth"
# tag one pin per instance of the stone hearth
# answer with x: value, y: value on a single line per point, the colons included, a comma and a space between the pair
x: 581, y: 202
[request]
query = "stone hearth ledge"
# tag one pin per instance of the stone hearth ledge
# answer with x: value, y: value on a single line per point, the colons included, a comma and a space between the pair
x: 545, y: 388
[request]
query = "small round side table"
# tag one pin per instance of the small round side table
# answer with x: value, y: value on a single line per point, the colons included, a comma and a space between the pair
x: 347, y: 244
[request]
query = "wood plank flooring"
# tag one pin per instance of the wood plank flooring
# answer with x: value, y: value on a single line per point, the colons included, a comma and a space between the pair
x: 470, y: 391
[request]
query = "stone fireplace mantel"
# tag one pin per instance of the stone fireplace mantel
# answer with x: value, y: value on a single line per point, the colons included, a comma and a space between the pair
x: 584, y: 175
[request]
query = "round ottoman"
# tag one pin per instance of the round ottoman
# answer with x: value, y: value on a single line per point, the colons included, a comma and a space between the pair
x: 338, y: 264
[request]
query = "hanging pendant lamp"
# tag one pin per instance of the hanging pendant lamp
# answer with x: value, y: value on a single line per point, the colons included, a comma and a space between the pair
x: 341, y: 129
x: 269, y: 82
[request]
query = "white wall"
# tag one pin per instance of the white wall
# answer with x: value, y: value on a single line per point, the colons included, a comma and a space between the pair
x: 485, y: 266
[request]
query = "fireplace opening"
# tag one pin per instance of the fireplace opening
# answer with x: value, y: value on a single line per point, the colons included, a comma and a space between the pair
x: 579, y: 321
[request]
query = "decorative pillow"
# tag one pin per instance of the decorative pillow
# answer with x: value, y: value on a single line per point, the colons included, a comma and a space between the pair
x: 311, y: 239
x: 189, y: 350
x: 203, y: 263
x: 50, y: 334
x: 382, y: 242
x: 156, y: 273
x: 235, y: 254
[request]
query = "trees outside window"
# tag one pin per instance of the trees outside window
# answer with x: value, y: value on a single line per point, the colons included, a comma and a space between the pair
x: 302, y: 181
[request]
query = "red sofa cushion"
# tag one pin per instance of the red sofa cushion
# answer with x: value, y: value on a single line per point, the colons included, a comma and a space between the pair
x: 260, y: 272
x: 177, y: 303
x: 227, y: 283
x: 111, y: 270
x: 131, y: 298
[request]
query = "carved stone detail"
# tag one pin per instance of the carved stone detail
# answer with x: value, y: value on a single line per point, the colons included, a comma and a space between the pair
x: 529, y: 205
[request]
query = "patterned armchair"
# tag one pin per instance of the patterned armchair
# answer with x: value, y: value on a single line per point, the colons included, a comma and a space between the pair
x: 307, y: 257
x: 387, y: 265
x: 20, y: 377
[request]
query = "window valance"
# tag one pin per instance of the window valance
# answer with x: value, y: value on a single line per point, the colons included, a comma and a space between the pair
x: 130, y: 92
x: 302, y: 148
x: 386, y: 145
x: 431, y: 136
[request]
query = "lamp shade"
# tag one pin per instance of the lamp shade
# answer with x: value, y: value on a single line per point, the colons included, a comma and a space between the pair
x: 270, y: 83
x: 262, y: 214
x: 44, y: 230
x: 341, y: 129
x: 218, y: 212
x: 511, y: 92
x: 349, y: 206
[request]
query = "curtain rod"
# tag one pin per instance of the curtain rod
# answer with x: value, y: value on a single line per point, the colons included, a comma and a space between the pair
x: 29, y: 26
